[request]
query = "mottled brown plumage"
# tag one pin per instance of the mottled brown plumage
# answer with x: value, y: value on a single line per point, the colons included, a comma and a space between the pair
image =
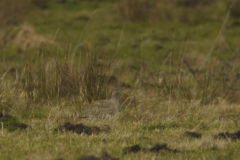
x: 102, y: 108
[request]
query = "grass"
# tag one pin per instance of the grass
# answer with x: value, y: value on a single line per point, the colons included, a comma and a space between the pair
x: 172, y: 91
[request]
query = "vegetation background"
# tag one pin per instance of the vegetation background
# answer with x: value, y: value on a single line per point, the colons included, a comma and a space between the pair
x: 177, y: 63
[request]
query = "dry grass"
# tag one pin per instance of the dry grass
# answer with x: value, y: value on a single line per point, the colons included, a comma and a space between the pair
x: 216, y: 79
x: 94, y: 77
x: 23, y: 37
x: 55, y: 78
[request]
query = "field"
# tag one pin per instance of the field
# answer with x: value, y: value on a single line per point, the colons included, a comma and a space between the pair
x: 177, y: 63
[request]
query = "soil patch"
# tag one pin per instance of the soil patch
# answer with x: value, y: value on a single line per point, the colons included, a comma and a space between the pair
x: 193, y: 134
x: 156, y: 148
x: 226, y: 135
x: 104, y: 155
x: 81, y: 128
x: 88, y: 158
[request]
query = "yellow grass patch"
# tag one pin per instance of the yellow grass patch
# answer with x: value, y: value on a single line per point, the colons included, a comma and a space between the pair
x: 24, y: 37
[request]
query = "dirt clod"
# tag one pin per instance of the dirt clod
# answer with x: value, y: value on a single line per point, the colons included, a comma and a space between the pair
x: 78, y: 128
x: 135, y: 148
x: 193, y: 134
x: 226, y: 135
x: 88, y: 158
x: 155, y: 148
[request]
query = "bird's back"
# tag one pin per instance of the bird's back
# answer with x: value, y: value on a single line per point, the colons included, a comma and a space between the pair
x: 101, y: 108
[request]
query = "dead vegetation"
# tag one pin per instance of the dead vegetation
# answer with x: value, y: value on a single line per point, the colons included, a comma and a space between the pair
x: 23, y: 37
x: 54, y: 79
x: 193, y: 78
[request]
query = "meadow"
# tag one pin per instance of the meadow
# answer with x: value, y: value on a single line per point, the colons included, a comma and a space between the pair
x: 176, y: 62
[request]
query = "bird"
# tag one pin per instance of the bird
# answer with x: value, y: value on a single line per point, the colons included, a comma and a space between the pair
x: 102, y: 108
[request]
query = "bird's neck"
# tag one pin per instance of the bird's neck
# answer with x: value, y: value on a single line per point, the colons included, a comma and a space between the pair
x: 115, y: 99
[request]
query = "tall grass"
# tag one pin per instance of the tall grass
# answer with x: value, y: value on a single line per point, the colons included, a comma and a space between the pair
x: 216, y: 82
x: 49, y: 79
x: 94, y: 77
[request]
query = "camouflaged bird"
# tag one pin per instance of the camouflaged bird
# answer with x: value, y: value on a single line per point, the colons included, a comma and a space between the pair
x: 102, y: 108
